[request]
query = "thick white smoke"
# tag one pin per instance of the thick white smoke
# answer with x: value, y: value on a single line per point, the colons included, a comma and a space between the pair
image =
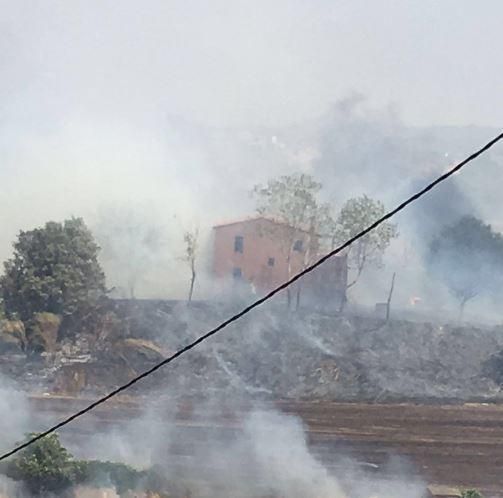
x: 15, y: 418
x: 256, y: 452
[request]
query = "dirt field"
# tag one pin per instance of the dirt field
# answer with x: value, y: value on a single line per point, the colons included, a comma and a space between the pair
x: 456, y: 445
x: 459, y: 445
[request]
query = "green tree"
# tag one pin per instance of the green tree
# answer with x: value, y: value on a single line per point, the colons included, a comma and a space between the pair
x: 290, y: 199
x: 356, y: 215
x: 293, y: 201
x: 55, y: 269
x: 468, y: 257
x: 46, y: 467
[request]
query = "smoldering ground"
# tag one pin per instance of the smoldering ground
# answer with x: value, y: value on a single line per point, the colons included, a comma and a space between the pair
x: 15, y: 421
x: 174, y: 112
x: 221, y: 450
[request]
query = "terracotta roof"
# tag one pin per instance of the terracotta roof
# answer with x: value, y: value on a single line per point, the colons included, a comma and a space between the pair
x: 243, y: 220
x: 256, y: 218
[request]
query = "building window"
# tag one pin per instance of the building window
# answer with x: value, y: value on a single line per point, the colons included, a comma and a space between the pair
x: 270, y: 262
x: 298, y: 246
x: 236, y: 273
x: 238, y: 243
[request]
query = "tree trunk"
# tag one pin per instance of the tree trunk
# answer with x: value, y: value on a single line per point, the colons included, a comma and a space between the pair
x: 289, y: 270
x: 388, y: 302
x: 297, y: 301
x: 344, y: 292
x: 192, y: 282
x: 191, y: 289
x: 131, y: 286
x: 342, y: 305
x: 462, y: 308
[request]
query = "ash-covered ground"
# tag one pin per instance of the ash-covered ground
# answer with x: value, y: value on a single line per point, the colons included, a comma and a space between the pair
x: 270, y: 354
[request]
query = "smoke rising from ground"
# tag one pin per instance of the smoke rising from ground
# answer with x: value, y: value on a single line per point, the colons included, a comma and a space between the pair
x: 147, y: 122
x: 166, y: 180
x: 15, y: 418
x: 15, y: 421
x: 265, y: 454
x: 174, y: 113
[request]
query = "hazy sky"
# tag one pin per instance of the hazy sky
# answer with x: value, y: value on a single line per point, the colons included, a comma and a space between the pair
x: 258, y: 61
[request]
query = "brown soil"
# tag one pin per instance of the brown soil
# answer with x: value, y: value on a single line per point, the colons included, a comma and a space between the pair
x: 459, y: 445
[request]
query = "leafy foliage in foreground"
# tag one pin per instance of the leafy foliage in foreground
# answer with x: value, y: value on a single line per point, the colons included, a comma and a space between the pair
x: 47, y: 467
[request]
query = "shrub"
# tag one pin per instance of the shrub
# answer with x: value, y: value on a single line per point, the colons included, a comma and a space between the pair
x: 471, y: 493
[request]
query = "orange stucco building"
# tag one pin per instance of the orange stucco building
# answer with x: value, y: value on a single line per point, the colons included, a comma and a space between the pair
x: 255, y: 250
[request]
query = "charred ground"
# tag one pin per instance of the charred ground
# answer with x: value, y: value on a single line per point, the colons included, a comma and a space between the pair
x: 271, y: 355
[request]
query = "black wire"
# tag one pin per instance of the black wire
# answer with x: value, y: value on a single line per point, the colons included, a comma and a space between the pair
x: 256, y: 303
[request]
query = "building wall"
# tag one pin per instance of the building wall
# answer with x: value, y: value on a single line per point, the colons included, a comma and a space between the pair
x: 262, y: 240
x: 326, y: 284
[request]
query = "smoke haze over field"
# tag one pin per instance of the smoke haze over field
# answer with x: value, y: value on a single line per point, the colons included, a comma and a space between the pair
x: 149, y: 119
x: 172, y: 112
x: 265, y: 454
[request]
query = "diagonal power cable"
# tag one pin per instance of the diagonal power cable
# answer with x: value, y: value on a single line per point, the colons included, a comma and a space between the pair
x: 258, y: 302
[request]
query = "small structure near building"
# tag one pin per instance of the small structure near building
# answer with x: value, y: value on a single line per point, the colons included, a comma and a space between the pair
x: 264, y: 253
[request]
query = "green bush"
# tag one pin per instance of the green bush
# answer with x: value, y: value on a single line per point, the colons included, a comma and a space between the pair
x: 121, y: 476
x: 471, y: 493
x: 46, y: 466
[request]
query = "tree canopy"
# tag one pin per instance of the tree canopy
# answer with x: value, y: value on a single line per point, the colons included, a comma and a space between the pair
x: 356, y: 215
x: 468, y: 257
x: 293, y: 200
x: 54, y: 268
x: 290, y: 199
x: 45, y: 467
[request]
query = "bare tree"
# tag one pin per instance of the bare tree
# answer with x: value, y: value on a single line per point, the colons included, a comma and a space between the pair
x: 191, y: 240
x: 390, y: 295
